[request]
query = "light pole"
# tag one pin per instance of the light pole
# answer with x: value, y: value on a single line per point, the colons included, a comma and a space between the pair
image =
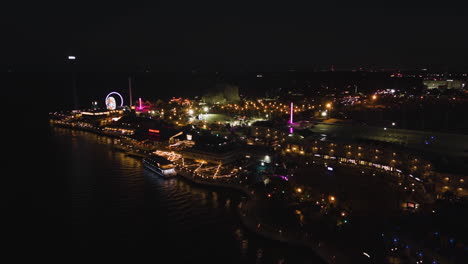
x: 72, y: 60
x: 329, y: 108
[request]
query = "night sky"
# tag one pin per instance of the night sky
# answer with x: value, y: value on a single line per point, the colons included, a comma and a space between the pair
x: 180, y: 36
x: 230, y: 35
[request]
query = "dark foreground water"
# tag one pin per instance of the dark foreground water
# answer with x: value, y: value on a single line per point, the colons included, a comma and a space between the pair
x: 118, y: 206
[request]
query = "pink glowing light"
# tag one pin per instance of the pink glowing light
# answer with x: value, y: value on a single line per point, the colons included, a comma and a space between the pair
x: 281, y: 176
x: 291, y: 130
x: 141, y: 107
x: 292, y: 109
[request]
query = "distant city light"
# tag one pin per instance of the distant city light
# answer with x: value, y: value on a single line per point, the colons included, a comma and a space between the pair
x: 393, y: 123
x: 299, y: 190
x: 328, y: 105
x: 71, y: 57
x: 365, y: 254
x: 374, y: 97
x: 205, y: 109
x: 330, y: 168
x: 324, y: 113
x: 190, y: 111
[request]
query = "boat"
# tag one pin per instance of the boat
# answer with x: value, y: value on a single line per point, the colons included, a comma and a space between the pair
x: 159, y: 165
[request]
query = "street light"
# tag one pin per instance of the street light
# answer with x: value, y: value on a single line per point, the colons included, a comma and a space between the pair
x: 72, y: 59
x: 329, y: 107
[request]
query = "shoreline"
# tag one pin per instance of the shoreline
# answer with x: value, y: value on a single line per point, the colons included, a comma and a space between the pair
x: 250, y: 223
x: 245, y: 220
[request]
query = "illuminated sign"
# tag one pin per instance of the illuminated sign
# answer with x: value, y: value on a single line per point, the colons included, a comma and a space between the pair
x: 153, y: 131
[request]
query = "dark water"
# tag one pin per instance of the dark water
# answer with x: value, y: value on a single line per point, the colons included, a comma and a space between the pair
x: 118, y: 206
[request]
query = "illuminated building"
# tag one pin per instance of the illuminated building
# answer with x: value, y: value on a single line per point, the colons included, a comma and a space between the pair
x: 444, y: 84
x: 213, y: 150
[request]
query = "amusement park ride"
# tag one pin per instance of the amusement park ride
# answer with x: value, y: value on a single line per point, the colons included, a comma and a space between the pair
x: 111, y: 104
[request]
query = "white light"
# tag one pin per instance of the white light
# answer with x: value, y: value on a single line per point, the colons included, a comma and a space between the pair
x: 190, y: 112
x: 384, y: 128
x: 205, y: 109
x: 324, y: 113
x: 71, y: 57
x: 365, y: 254
x: 330, y: 168
x: 393, y: 123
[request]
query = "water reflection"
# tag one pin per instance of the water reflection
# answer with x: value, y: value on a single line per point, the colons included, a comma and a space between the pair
x: 115, y: 199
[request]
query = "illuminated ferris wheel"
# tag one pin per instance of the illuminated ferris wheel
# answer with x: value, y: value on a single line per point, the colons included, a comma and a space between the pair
x: 111, y: 104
